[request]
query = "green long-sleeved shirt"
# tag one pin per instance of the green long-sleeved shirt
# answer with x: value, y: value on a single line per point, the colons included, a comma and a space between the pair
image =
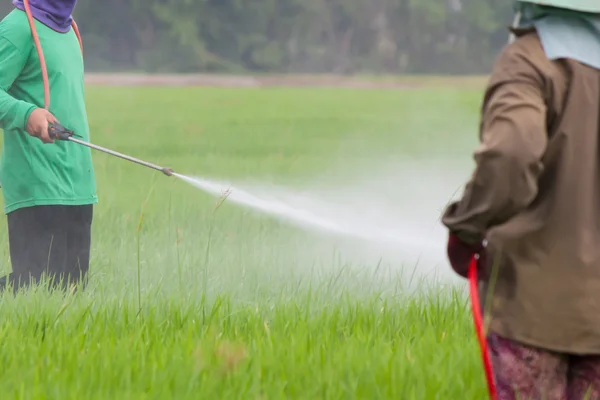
x: 31, y: 172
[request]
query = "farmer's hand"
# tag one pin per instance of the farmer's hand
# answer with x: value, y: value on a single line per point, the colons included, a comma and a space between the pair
x: 37, y: 124
x: 460, y: 255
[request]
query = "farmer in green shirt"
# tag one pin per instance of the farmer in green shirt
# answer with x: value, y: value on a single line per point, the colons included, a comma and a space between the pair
x: 49, y: 187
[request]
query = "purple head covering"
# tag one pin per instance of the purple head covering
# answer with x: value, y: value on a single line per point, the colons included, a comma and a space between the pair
x: 55, y: 14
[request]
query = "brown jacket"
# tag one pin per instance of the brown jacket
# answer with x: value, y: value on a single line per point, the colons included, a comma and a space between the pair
x: 535, y: 197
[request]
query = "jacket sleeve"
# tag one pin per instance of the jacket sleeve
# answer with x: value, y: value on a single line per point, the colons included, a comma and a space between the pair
x: 13, y: 113
x: 513, y: 139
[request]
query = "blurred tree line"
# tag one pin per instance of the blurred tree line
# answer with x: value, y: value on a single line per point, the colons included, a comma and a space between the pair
x: 292, y: 36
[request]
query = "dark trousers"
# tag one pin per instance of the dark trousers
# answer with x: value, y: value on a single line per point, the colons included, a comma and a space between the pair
x: 525, y: 372
x: 49, y: 242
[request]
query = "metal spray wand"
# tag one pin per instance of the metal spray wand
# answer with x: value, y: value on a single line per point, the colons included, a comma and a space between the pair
x: 58, y: 132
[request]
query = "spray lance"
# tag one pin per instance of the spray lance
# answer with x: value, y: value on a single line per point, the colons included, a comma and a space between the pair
x: 55, y: 130
x: 58, y: 132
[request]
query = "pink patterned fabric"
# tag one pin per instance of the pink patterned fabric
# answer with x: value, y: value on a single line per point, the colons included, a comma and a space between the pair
x: 527, y: 373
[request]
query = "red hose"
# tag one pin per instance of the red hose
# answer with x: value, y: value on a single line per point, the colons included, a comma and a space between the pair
x: 479, y: 329
x: 38, y: 47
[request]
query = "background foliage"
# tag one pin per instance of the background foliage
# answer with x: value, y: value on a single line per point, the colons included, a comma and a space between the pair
x: 292, y: 36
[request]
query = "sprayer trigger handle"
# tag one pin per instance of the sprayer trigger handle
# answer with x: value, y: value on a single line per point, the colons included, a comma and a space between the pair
x: 57, y: 131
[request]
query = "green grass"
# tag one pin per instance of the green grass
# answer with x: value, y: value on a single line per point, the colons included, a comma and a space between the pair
x: 257, y: 315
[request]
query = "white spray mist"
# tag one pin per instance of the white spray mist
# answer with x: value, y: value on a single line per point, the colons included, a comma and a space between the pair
x: 391, y: 214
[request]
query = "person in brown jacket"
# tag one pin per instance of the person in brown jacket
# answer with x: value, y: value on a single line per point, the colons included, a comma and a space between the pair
x: 531, y: 210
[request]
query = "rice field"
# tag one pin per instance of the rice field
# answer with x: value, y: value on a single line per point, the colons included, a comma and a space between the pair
x: 193, y: 297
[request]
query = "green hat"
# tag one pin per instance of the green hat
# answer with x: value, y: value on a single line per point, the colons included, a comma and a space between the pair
x: 587, y: 6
